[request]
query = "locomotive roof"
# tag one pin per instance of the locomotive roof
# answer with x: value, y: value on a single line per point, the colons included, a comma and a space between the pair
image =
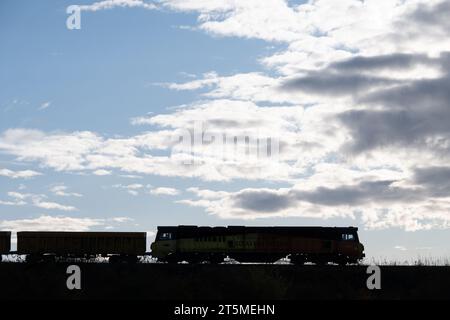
x: 197, y: 231
x: 257, y: 227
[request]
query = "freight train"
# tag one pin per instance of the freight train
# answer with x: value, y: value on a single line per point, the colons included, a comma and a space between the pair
x: 39, y: 246
x: 193, y: 244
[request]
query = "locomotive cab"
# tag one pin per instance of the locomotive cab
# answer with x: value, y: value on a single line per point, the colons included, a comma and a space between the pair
x: 349, y: 245
x: 165, y: 243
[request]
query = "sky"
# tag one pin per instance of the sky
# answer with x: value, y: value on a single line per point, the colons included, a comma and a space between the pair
x: 222, y: 112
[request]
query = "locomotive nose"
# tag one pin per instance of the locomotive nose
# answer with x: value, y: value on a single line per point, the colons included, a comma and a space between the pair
x: 361, y: 248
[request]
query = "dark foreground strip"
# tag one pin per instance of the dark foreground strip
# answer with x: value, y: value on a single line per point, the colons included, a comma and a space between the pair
x: 230, y: 310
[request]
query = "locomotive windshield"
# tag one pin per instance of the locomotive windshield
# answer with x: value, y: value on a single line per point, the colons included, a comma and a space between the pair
x: 348, y: 237
x: 165, y: 236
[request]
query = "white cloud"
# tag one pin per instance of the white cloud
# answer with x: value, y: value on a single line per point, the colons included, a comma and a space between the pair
x: 164, y: 191
x: 316, y: 32
x: 110, y: 4
x: 59, y: 151
x: 121, y: 219
x: 50, y: 223
x: 130, y: 176
x: 83, y: 151
x: 37, y: 200
x: 326, y: 29
x: 132, y: 189
x: 209, y: 79
x: 111, y: 223
x: 133, y: 186
x: 12, y: 203
x: 320, y: 31
x: 52, y: 205
x: 61, y: 190
x: 225, y: 205
x: 271, y: 20
x: 101, y: 172
x: 253, y: 86
x: 373, y: 213
x: 19, y: 174
x: 59, y: 223
x: 45, y: 105
x: 18, y: 195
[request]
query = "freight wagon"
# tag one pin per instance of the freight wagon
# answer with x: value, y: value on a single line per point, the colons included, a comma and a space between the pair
x: 118, y: 246
x: 319, y: 245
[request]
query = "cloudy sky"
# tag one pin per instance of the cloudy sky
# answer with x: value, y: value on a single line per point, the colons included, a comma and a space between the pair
x: 352, y: 98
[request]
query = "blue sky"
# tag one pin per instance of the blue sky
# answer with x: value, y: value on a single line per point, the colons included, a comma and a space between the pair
x: 87, y: 117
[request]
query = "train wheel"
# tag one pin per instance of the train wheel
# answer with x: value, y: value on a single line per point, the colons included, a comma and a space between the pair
x: 194, y: 258
x: 131, y: 259
x: 298, y: 259
x: 113, y: 259
x: 172, y: 258
x: 343, y: 261
x: 33, y: 258
x: 49, y: 258
x: 320, y: 262
x: 216, y: 259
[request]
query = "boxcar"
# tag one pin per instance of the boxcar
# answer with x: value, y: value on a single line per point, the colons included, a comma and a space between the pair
x: 5, y: 243
x: 258, y: 244
x: 118, y: 245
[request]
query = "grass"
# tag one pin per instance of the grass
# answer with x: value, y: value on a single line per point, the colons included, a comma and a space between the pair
x: 380, y: 261
x: 418, y: 261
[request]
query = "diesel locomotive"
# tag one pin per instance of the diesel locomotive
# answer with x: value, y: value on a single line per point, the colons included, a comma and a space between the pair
x: 318, y: 245
x: 194, y: 244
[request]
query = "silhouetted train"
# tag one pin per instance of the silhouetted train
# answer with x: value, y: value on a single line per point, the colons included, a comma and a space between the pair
x: 258, y: 244
x: 194, y: 244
